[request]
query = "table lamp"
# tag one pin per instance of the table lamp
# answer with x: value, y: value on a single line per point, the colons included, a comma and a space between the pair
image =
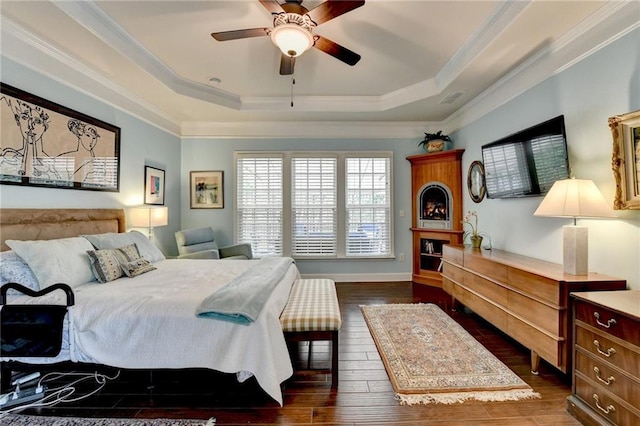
x: 575, y: 198
x: 149, y: 217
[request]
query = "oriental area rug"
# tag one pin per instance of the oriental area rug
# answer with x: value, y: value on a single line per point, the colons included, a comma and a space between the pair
x: 19, y: 420
x: 430, y: 358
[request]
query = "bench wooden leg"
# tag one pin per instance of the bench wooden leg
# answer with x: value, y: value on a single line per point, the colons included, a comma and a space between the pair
x: 334, y: 359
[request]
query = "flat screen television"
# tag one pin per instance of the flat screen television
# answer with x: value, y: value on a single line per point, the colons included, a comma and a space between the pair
x: 528, y: 162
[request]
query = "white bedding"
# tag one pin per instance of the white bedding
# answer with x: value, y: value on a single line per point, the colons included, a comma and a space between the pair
x: 149, y: 322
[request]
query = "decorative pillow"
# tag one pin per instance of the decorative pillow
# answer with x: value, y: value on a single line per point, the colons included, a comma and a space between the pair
x: 112, y: 240
x: 137, y: 267
x: 56, y: 261
x: 105, y: 264
x: 14, y: 270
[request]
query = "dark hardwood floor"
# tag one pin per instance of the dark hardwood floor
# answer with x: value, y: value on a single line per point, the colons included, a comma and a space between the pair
x: 364, y: 395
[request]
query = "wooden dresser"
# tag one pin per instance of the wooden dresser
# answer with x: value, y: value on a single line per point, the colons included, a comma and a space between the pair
x: 526, y: 298
x: 606, y: 372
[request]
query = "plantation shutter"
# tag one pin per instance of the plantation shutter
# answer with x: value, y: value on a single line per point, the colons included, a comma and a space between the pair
x: 259, y: 198
x: 368, y: 206
x: 313, y: 204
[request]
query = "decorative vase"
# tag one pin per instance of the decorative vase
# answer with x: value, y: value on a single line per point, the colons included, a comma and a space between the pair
x: 476, y: 241
x: 437, y: 145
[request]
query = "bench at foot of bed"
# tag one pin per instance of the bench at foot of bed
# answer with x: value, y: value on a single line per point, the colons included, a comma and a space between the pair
x: 312, y: 313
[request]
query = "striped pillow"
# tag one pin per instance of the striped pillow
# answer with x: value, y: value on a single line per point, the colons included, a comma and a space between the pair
x: 105, y: 264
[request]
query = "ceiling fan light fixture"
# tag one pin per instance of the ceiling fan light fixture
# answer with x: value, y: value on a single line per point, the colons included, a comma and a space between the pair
x: 292, y: 39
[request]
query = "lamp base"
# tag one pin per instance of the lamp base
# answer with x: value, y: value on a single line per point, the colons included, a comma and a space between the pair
x: 575, y: 253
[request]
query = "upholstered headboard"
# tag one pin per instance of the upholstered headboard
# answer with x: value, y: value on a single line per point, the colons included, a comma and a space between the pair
x: 48, y: 224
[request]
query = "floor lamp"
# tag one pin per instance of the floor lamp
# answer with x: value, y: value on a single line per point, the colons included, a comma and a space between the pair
x: 149, y: 217
x: 575, y: 198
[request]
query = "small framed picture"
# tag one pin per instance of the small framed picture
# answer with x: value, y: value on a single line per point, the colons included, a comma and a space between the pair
x: 153, y: 186
x: 207, y: 189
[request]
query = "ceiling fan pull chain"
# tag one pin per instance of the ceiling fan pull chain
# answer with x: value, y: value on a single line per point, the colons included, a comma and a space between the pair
x: 293, y: 81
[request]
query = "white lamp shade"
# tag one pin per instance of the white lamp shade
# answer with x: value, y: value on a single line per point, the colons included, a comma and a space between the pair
x: 292, y: 39
x: 149, y: 216
x: 574, y: 198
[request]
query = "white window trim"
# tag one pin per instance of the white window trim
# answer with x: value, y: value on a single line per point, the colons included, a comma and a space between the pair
x: 341, y: 198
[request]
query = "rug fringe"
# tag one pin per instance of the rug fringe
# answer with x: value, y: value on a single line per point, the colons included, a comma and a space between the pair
x: 458, y: 397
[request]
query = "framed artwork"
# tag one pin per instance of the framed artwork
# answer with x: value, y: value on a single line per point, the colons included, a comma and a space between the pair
x: 625, y: 161
x: 476, y: 183
x: 207, y: 189
x: 46, y: 144
x: 153, y: 185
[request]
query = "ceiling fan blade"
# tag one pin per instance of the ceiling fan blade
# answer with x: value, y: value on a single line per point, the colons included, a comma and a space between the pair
x: 331, y: 9
x: 339, y: 52
x: 286, y: 64
x: 272, y: 6
x: 236, y: 34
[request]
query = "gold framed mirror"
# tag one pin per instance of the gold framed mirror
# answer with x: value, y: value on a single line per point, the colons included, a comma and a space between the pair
x: 625, y: 161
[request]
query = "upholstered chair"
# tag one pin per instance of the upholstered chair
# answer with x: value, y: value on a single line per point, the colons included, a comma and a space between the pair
x: 199, y: 243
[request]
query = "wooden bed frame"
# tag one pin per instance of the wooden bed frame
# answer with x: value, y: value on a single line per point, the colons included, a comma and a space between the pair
x: 48, y: 224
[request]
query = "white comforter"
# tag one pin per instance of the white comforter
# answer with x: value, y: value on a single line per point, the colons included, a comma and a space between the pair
x: 150, y: 322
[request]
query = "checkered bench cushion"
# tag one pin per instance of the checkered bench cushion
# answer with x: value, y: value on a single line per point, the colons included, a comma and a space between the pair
x: 312, y: 306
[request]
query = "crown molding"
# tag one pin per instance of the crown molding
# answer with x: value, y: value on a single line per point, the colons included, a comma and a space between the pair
x: 611, y: 22
x: 308, y: 130
x: 499, y: 20
x: 34, y: 53
x: 99, y: 23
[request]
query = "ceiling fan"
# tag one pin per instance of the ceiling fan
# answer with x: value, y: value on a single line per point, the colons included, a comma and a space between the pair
x: 292, y: 30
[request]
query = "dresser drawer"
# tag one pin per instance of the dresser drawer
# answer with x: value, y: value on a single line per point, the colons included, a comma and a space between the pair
x: 603, y: 403
x: 486, y: 288
x: 452, y: 272
x: 609, y: 322
x: 606, y: 349
x: 447, y: 285
x: 535, y: 312
x: 608, y: 378
x: 542, y: 287
x: 486, y: 267
x: 536, y: 340
x: 485, y: 309
x: 452, y: 254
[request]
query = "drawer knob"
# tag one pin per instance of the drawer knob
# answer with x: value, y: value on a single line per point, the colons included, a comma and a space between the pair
x: 608, y: 381
x: 606, y: 353
x: 608, y: 324
x: 607, y: 410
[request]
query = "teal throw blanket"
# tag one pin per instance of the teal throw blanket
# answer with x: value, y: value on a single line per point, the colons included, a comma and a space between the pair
x: 241, y: 300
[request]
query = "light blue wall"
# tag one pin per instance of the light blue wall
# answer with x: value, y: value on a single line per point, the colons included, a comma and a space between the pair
x: 605, y: 84
x: 217, y: 154
x: 141, y: 144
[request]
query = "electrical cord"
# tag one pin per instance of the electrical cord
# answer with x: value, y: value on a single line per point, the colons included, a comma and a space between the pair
x: 63, y: 393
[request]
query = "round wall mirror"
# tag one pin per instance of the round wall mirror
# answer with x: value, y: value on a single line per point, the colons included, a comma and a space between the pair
x: 475, y: 181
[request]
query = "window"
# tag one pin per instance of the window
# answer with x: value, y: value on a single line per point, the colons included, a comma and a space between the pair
x: 368, y: 206
x: 259, y: 204
x: 333, y: 205
x: 313, y: 206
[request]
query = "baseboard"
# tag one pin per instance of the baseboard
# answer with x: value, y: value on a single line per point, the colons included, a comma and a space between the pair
x: 354, y: 278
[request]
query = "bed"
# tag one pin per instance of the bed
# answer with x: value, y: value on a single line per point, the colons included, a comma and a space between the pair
x: 148, y: 320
